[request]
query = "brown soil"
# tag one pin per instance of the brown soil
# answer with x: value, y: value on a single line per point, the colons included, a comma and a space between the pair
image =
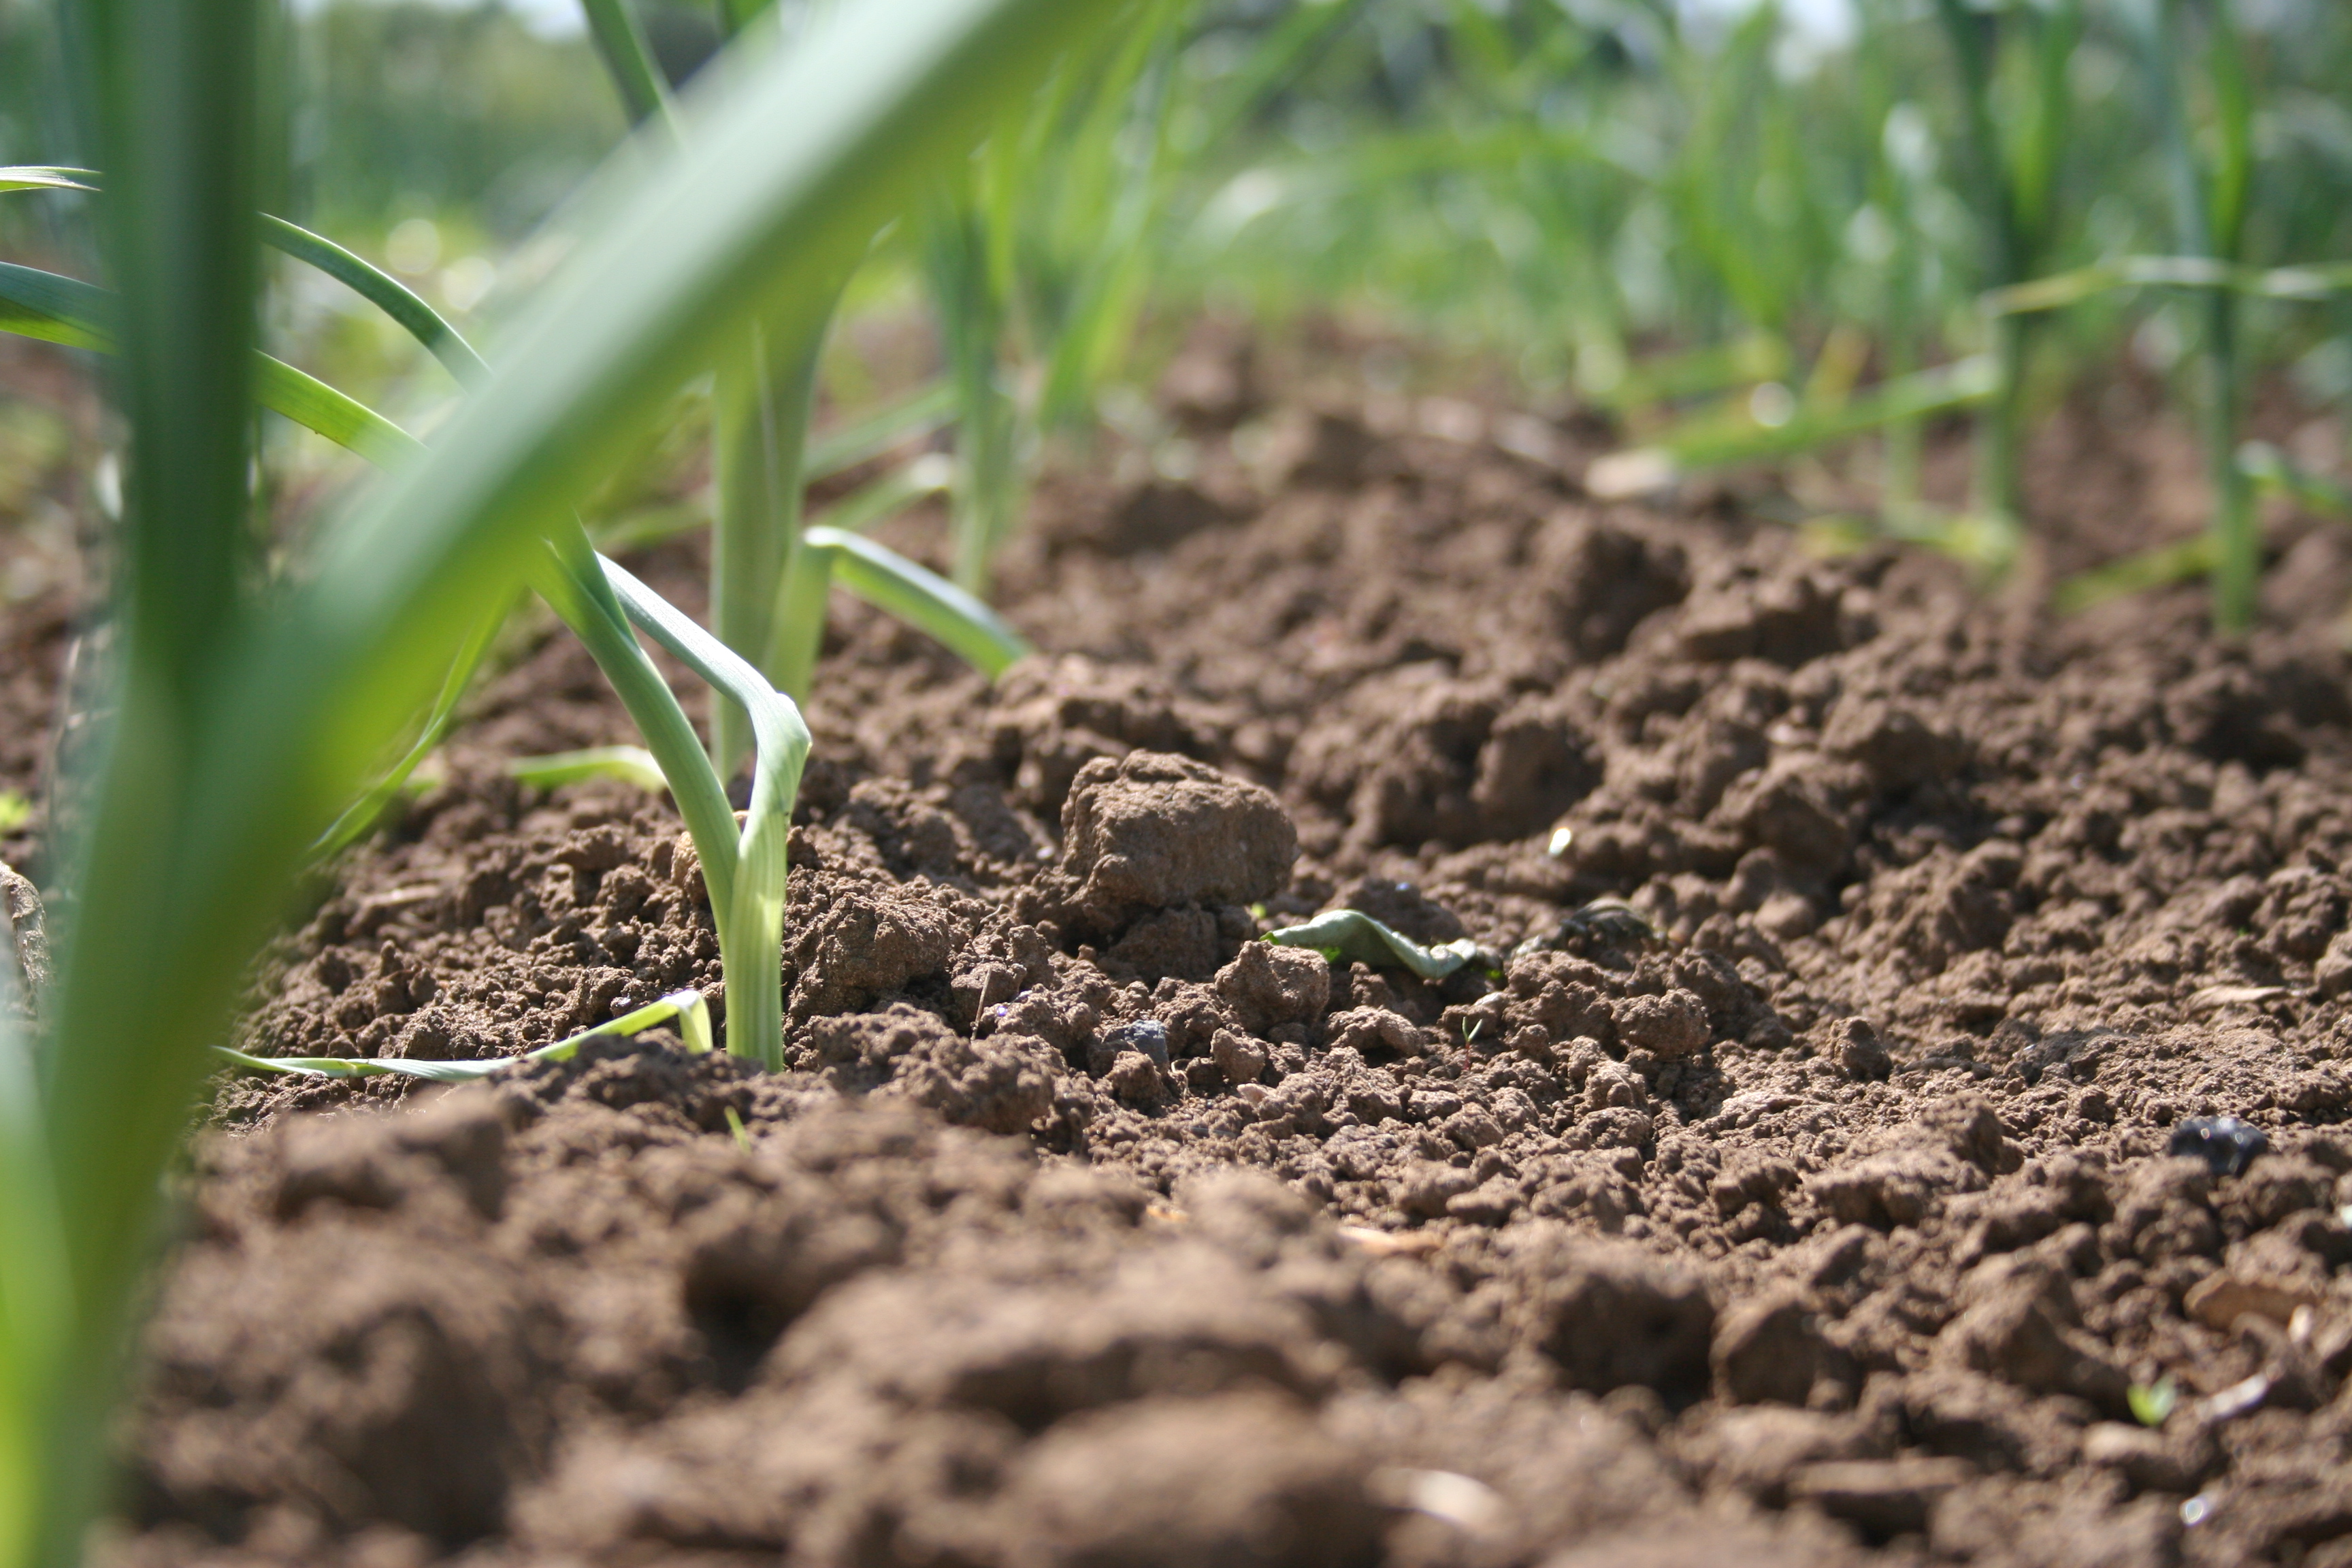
x: 1832, y: 1222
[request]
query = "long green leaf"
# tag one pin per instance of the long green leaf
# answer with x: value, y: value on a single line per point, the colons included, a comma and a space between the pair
x: 173, y: 109
x: 60, y: 310
x: 920, y: 412
x: 381, y: 289
x: 921, y: 598
x: 361, y: 814
x: 629, y: 764
x: 1711, y: 443
x: 47, y: 177
x: 688, y: 1007
x: 387, y: 293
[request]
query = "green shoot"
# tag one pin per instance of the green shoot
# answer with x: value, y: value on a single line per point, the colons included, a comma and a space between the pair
x: 1344, y: 935
x: 2269, y: 471
x: 362, y: 812
x: 15, y: 811
x: 1743, y: 437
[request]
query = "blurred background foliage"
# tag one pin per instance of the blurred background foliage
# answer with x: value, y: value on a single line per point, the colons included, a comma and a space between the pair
x: 1660, y: 209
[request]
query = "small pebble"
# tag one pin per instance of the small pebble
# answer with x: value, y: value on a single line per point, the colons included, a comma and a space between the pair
x: 2225, y: 1143
x: 1149, y: 1035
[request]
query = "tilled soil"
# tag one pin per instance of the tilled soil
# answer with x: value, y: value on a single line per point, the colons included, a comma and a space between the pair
x: 1823, y: 1213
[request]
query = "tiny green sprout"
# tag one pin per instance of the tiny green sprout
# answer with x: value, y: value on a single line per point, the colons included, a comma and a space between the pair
x: 15, y: 811
x: 1350, y: 934
x: 2151, y: 1403
x: 1470, y: 1032
x: 735, y: 1126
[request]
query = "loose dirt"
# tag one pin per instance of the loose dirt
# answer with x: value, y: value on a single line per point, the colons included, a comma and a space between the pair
x: 1821, y: 1214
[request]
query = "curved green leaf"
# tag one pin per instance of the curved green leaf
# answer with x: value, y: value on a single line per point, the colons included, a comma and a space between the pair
x: 60, y: 310
x: 751, y: 913
x: 921, y: 598
x: 383, y: 290
x: 1350, y: 935
x: 45, y: 177
x: 629, y: 764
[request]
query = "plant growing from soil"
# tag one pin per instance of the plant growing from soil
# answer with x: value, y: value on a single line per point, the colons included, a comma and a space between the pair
x: 245, y: 718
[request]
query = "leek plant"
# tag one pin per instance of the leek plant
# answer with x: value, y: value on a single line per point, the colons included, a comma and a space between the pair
x: 247, y: 715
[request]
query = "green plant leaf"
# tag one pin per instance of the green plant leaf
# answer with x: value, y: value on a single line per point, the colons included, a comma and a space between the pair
x: 688, y: 1007
x: 60, y: 310
x: 1350, y: 935
x: 751, y: 920
x: 926, y: 408
x: 629, y: 764
x: 45, y: 177
x: 383, y: 290
x: 921, y: 598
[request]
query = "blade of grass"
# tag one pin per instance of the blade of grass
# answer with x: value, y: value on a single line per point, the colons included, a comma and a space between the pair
x: 387, y: 293
x: 169, y: 99
x: 395, y: 298
x: 629, y: 60
x: 1715, y: 442
x: 2159, y: 566
x: 65, y: 311
x: 858, y: 511
x: 763, y: 397
x: 2271, y: 474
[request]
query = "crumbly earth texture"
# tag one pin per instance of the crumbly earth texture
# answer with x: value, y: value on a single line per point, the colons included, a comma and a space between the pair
x: 1823, y: 1214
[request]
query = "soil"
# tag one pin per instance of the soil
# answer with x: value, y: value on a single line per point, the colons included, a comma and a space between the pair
x: 1823, y: 1213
